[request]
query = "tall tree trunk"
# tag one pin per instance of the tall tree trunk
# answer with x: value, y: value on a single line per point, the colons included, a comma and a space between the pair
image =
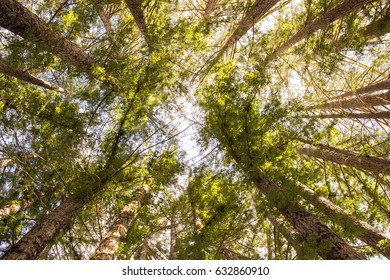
x: 348, y: 6
x: 35, y: 241
x: 228, y: 250
x: 329, y: 245
x: 366, y: 101
x: 117, y: 232
x: 27, y: 77
x: 360, y: 229
x: 367, y: 89
x: 371, y: 164
x: 210, y: 7
x: 10, y: 209
x: 144, y: 251
x: 255, y: 13
x: 21, y: 21
x: 135, y: 7
x: 373, y: 115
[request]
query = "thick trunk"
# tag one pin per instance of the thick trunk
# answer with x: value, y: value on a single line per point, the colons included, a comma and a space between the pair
x: 117, y: 232
x: 21, y: 21
x: 27, y: 77
x: 367, y: 89
x: 371, y: 164
x: 15, y: 208
x: 143, y: 254
x: 366, y: 101
x: 348, y: 6
x: 373, y: 115
x: 135, y: 7
x: 228, y: 251
x: 328, y: 244
x: 360, y: 229
x: 35, y: 241
x: 210, y: 7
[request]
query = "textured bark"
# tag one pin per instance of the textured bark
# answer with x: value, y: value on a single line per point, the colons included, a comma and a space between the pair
x: 374, y: 115
x: 21, y: 21
x: 255, y: 13
x: 348, y: 6
x: 135, y: 7
x: 27, y: 77
x: 228, y: 251
x: 367, y: 89
x: 330, y: 245
x: 35, y: 241
x: 117, y: 232
x: 15, y: 208
x: 105, y: 18
x: 143, y: 255
x: 365, y: 101
x: 210, y: 7
x: 360, y: 229
x: 4, y: 162
x: 371, y: 164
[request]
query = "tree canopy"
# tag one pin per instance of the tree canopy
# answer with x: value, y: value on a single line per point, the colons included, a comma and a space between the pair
x: 194, y: 129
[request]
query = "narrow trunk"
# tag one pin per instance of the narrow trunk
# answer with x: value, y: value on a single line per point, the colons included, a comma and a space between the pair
x: 210, y: 7
x: 373, y: 115
x: 143, y: 254
x: 27, y: 77
x: 35, y: 241
x: 135, y: 7
x: 4, y: 162
x: 367, y: 89
x: 105, y: 18
x: 228, y: 251
x: 366, y: 101
x: 348, y: 6
x: 371, y: 164
x: 15, y: 208
x: 117, y: 232
x: 21, y: 21
x: 360, y: 229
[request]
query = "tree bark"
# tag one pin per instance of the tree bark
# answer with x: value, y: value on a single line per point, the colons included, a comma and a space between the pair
x: 135, y: 7
x: 360, y: 229
x: 366, y: 101
x: 27, y: 77
x: 143, y: 255
x: 373, y: 115
x: 4, y: 162
x: 117, y: 232
x: 383, y: 85
x: 378, y: 28
x: 348, y: 6
x: 371, y: 164
x: 10, y: 209
x: 228, y: 250
x: 21, y: 21
x: 35, y: 241
x: 210, y: 7
x: 173, y: 237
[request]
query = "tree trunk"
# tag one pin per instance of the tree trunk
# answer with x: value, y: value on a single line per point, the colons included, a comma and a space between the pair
x: 143, y: 255
x: 228, y: 251
x: 15, y: 208
x: 328, y: 244
x: 35, y: 241
x: 21, y: 21
x: 360, y: 229
x: 378, y: 28
x: 373, y: 115
x: 366, y: 101
x: 383, y: 85
x: 210, y: 7
x: 4, y: 162
x: 27, y: 77
x: 135, y: 7
x: 371, y: 164
x: 173, y: 236
x: 255, y: 13
x: 348, y: 6
x: 117, y: 232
